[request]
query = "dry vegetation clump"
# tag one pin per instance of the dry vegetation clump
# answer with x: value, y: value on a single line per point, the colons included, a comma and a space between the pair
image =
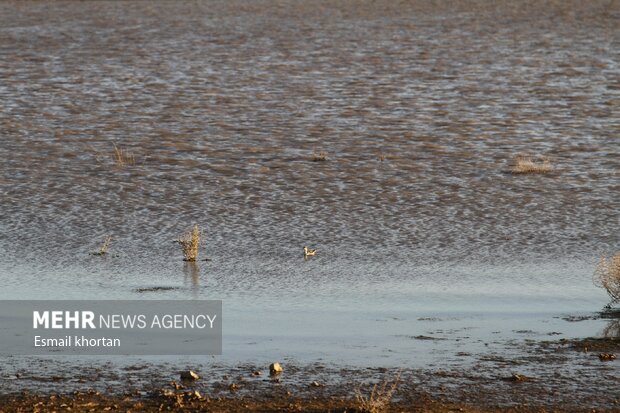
x: 612, y: 330
x: 122, y: 157
x: 319, y: 157
x: 190, y: 242
x: 380, y: 397
x: 382, y: 157
x: 103, y: 250
x: 526, y: 165
x: 607, y: 276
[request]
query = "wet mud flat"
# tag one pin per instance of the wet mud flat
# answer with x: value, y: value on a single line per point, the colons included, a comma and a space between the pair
x: 532, y: 376
x: 420, y: 107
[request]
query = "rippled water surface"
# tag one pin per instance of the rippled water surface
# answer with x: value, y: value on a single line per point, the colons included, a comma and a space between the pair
x: 421, y: 110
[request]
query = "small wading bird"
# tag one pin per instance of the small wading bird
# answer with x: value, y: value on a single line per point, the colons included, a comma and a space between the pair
x: 309, y: 252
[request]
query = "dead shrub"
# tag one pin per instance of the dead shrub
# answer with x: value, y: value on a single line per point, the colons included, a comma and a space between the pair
x: 319, y: 157
x: 607, y: 276
x: 190, y: 242
x: 122, y: 157
x: 526, y: 165
x: 380, y: 397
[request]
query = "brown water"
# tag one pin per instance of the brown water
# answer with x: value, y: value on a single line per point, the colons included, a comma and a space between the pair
x: 421, y: 109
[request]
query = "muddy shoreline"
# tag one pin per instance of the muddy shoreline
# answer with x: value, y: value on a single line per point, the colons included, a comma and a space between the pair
x: 93, y: 402
x: 557, y: 375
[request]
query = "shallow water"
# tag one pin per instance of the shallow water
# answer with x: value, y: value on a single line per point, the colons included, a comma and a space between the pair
x: 421, y: 110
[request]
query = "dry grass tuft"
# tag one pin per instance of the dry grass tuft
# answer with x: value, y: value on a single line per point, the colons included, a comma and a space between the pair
x: 319, y: 157
x: 103, y: 250
x: 525, y: 165
x: 380, y: 397
x: 190, y: 242
x: 607, y: 276
x: 122, y: 157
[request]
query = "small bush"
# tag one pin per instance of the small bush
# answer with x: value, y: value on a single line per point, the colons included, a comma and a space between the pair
x: 122, y: 157
x: 190, y: 242
x: 607, y: 276
x: 319, y: 157
x: 525, y: 165
x: 380, y: 397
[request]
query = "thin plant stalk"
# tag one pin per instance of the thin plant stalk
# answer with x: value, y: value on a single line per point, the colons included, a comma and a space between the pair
x: 103, y: 250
